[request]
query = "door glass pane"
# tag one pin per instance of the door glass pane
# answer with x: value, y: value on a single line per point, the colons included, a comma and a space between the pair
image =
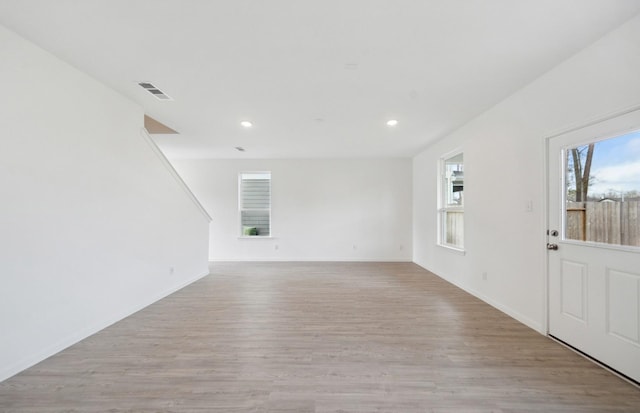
x: 602, y: 196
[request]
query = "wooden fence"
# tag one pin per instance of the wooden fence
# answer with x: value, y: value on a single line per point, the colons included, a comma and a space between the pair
x: 608, y: 222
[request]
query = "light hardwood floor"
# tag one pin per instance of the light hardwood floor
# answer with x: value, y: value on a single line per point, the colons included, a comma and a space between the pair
x: 318, y: 337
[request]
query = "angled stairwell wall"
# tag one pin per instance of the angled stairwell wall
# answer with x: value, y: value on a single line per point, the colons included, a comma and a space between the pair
x: 93, y: 225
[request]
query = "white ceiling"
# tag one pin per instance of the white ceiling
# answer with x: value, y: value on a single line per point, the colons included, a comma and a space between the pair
x: 317, y: 78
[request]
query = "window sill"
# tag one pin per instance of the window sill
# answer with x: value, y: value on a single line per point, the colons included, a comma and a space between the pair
x: 256, y: 237
x: 455, y: 250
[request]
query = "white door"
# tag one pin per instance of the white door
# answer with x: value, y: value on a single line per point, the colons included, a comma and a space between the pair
x: 594, y: 242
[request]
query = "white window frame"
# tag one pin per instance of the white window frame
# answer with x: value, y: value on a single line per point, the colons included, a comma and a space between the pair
x: 446, y: 204
x: 241, y: 209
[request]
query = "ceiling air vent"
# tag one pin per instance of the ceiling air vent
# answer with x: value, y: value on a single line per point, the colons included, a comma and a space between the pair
x: 159, y: 94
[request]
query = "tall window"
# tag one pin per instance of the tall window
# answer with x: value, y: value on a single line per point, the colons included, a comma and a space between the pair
x: 451, y: 201
x: 255, y: 204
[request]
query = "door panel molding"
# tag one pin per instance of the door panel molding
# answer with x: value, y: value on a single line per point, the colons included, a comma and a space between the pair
x: 623, y: 311
x: 574, y: 285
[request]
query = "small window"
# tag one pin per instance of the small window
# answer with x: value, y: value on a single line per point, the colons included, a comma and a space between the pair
x: 255, y: 204
x: 451, y: 201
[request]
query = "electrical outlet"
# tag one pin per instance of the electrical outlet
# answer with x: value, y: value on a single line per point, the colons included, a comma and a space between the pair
x: 355, y: 247
x: 401, y: 247
x: 276, y: 247
x: 484, y: 276
x: 171, y: 270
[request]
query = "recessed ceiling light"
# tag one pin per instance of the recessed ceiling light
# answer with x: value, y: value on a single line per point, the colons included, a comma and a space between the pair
x: 392, y: 122
x: 246, y: 124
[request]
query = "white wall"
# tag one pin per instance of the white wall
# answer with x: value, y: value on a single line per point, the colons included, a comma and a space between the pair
x: 504, y: 168
x: 90, y: 220
x: 320, y: 208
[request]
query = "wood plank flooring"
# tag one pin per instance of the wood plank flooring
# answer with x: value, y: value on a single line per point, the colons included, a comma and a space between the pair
x: 318, y: 337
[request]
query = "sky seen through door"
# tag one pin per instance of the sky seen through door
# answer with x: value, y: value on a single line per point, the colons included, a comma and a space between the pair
x: 615, y: 169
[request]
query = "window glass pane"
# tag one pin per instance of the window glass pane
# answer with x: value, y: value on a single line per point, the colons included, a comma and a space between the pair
x: 255, y: 223
x: 454, y: 180
x: 256, y: 191
x: 602, y: 194
x: 453, y: 231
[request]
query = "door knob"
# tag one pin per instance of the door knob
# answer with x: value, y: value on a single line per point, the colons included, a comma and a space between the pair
x: 553, y: 247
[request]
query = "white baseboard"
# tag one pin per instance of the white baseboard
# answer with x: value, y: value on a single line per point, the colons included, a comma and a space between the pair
x: 533, y: 324
x: 312, y: 259
x: 78, y: 336
x: 507, y: 310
